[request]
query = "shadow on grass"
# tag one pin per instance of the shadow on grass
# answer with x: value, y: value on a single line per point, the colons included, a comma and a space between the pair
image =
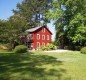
x: 29, y: 67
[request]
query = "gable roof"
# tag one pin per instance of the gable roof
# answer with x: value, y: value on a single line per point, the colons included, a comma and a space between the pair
x: 36, y: 28
x: 33, y: 29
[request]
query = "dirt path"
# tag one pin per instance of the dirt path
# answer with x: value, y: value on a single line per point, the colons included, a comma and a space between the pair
x: 59, y: 50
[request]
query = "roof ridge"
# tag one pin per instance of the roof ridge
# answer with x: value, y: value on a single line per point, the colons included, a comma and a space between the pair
x: 36, y: 28
x: 33, y: 29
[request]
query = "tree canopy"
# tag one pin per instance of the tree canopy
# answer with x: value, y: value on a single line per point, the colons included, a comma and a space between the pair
x: 32, y: 10
x: 27, y: 14
x: 70, y: 20
x: 69, y: 17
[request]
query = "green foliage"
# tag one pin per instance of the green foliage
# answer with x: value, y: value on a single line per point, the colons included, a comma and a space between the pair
x: 83, y: 50
x: 48, y: 47
x: 66, y: 47
x: 69, y: 65
x: 78, y: 48
x: 44, y: 48
x: 3, y: 47
x: 29, y: 10
x: 4, y: 31
x: 70, y: 20
x: 9, y: 46
x: 51, y: 46
x: 20, y: 49
x: 25, y: 17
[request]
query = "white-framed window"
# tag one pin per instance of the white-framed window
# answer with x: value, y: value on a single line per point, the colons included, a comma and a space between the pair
x: 43, y: 44
x: 48, y: 37
x: 43, y: 37
x: 38, y: 45
x: 43, y: 29
x: 38, y: 36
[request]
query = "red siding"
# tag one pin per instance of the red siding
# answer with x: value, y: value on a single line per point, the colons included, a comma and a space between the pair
x: 39, y: 31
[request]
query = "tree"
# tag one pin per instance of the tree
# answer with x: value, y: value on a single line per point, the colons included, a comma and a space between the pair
x: 32, y: 10
x: 3, y: 31
x: 70, y: 20
x: 29, y: 13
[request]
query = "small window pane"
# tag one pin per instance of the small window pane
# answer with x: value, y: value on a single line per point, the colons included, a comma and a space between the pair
x: 43, y: 29
x: 43, y: 37
x: 38, y: 36
x: 47, y: 37
x: 38, y: 44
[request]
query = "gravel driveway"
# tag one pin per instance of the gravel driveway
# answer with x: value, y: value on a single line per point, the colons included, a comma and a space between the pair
x: 59, y: 50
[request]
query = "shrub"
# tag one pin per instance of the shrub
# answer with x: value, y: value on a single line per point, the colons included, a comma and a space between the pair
x: 20, y: 49
x: 83, y: 50
x: 43, y: 48
x: 48, y: 47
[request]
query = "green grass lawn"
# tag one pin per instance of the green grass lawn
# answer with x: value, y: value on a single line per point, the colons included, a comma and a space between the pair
x: 43, y: 66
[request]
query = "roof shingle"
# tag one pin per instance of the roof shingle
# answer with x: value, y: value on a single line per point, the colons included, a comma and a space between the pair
x: 36, y: 28
x: 33, y: 29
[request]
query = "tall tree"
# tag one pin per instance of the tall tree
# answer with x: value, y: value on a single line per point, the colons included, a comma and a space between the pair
x: 32, y: 10
x: 3, y: 31
x: 29, y: 13
x: 70, y: 20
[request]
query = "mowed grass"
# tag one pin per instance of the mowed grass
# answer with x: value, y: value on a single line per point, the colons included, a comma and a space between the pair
x: 43, y: 66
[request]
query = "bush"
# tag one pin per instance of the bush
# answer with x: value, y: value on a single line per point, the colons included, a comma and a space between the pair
x: 48, y: 47
x: 83, y: 50
x: 20, y: 49
x: 43, y: 48
x: 51, y: 46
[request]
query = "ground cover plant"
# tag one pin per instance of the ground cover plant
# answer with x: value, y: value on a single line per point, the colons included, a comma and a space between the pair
x: 43, y: 66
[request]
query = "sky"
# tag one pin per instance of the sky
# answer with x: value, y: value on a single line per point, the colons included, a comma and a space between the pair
x: 6, y: 7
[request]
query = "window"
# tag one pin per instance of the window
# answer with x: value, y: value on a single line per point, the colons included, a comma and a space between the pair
x: 43, y: 29
x: 47, y: 37
x: 43, y: 37
x: 38, y: 44
x: 43, y: 44
x: 38, y: 36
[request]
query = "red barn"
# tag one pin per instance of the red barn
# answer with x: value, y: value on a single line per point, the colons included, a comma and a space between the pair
x: 38, y: 36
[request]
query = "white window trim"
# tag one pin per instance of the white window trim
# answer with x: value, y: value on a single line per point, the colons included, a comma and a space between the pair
x: 38, y: 36
x: 43, y: 29
x: 38, y: 44
x: 43, y: 44
x: 48, y: 37
x: 43, y: 37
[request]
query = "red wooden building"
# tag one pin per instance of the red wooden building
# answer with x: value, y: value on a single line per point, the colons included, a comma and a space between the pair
x: 38, y: 36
